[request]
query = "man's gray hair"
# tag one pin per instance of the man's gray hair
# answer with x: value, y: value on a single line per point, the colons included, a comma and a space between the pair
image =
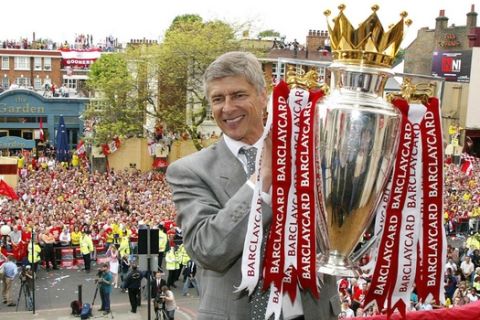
x: 235, y: 63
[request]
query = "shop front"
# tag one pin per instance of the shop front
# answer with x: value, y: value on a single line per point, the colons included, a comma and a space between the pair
x: 34, y: 118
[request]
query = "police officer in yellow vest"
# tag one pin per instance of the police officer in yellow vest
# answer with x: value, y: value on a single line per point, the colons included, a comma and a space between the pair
x: 86, y: 248
x: 171, y: 265
x: 75, y: 160
x: 183, y: 258
x: 162, y: 246
x: 124, y: 249
x: 34, y: 256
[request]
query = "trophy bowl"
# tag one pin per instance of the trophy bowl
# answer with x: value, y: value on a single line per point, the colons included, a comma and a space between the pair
x: 356, y: 136
x: 356, y: 139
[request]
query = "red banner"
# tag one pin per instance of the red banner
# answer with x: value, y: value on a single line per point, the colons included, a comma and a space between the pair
x: 305, y: 161
x: 384, y: 276
x: 281, y: 180
x: 433, y: 251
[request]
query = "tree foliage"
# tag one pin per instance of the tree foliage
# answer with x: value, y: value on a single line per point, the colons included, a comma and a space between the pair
x: 189, y: 46
x: 158, y: 80
x: 114, y: 110
x: 269, y: 33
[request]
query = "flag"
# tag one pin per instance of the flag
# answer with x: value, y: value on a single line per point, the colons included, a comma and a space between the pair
x: 159, y: 163
x: 7, y: 190
x: 467, y: 167
x: 112, y: 146
x: 42, y: 136
x: 81, y: 148
x: 117, y: 142
x: 105, y: 149
x: 62, y: 141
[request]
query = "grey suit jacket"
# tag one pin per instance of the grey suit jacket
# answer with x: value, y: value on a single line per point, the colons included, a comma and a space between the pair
x: 213, y: 203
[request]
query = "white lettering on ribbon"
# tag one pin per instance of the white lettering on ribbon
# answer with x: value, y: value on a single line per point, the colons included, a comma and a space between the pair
x: 410, y: 223
x: 252, y: 246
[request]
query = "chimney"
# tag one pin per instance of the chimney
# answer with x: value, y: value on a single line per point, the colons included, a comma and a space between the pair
x: 441, y: 21
x: 472, y: 18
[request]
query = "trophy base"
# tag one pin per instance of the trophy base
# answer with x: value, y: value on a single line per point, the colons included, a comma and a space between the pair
x: 337, y: 265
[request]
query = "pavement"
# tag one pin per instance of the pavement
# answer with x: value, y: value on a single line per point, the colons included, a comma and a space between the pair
x: 55, y: 290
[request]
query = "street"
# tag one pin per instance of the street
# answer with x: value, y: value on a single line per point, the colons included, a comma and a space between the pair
x: 55, y: 291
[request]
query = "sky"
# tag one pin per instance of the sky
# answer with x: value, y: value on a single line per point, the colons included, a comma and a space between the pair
x: 62, y: 20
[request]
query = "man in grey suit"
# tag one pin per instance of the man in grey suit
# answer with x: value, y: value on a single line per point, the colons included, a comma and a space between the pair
x: 212, y: 193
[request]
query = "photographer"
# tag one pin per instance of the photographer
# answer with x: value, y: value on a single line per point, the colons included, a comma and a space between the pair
x: 26, y: 277
x: 132, y: 283
x: 169, y: 299
x: 105, y: 287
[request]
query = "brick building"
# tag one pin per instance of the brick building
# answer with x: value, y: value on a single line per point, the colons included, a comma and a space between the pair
x: 30, y: 68
x: 452, y: 52
x: 418, y: 56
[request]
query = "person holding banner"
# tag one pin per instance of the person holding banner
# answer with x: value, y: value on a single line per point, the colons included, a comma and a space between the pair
x: 213, y: 191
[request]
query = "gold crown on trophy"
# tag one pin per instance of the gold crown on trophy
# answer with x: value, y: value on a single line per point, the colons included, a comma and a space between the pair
x: 369, y: 44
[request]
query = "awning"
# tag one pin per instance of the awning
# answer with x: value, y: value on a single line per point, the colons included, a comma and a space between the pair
x: 13, y: 142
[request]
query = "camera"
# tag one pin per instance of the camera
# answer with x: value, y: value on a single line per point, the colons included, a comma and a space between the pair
x: 161, y: 297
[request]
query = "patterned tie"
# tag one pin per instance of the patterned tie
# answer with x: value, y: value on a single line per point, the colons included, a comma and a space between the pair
x: 250, y: 154
x: 259, y: 299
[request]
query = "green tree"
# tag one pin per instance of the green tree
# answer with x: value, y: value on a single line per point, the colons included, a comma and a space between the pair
x: 189, y: 46
x: 115, y: 110
x: 269, y: 33
x: 158, y: 81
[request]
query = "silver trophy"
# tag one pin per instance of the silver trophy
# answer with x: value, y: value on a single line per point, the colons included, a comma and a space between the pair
x: 356, y: 137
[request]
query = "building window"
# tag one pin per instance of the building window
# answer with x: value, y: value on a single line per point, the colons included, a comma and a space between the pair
x: 321, y: 74
x: 70, y: 83
x: 5, y: 83
x: 37, y: 64
x: 47, y: 64
x: 22, y: 63
x: 27, y: 134
x: 37, y: 84
x: 23, y: 82
x: 274, y: 70
x: 5, y: 63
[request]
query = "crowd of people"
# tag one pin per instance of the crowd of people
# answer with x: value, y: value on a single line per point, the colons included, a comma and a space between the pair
x: 97, y: 215
x: 462, y: 277
x: 462, y: 198
x: 80, y: 42
x: 101, y: 213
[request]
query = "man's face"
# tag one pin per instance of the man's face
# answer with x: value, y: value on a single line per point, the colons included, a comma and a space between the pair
x: 237, y: 107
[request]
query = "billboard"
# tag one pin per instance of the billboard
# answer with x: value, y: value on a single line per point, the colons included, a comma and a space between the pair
x: 452, y: 65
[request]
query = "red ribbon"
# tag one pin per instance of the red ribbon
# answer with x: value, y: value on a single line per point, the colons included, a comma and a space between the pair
x: 384, y: 275
x: 431, y: 280
x: 281, y: 180
x: 305, y: 162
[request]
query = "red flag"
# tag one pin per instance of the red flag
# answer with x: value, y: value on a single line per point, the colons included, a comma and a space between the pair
x: 81, y: 148
x: 106, y: 149
x: 42, y: 137
x: 8, y: 191
x: 467, y: 167
x: 117, y: 142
